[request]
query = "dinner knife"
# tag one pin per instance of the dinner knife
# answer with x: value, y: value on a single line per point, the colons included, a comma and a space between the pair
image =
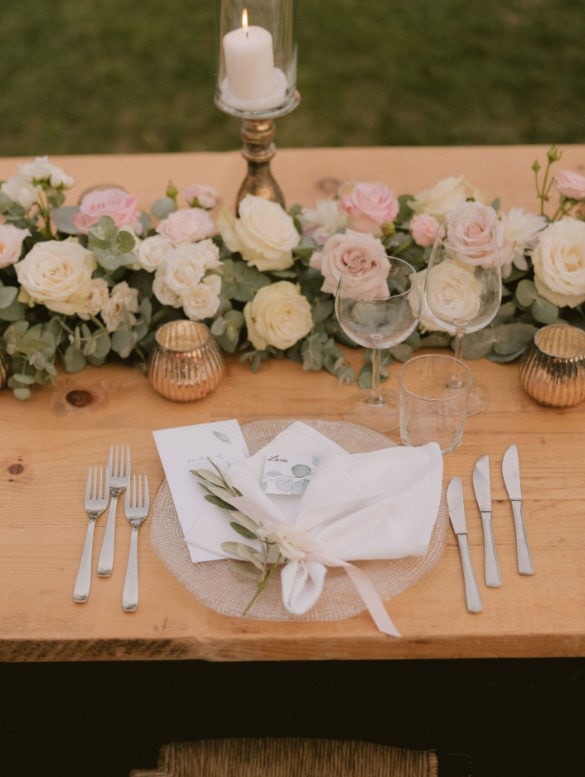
x: 511, y: 473
x: 483, y: 496
x: 458, y: 522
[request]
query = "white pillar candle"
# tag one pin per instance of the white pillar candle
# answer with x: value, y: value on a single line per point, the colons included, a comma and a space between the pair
x: 249, y: 62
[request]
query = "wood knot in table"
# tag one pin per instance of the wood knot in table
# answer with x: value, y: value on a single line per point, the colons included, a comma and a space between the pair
x: 16, y: 469
x: 79, y: 398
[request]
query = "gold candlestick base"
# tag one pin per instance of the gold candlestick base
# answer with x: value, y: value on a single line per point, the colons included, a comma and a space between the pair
x: 258, y: 150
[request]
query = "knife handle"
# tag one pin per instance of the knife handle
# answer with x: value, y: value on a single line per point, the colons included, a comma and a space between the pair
x: 525, y: 566
x: 491, y: 565
x: 471, y: 591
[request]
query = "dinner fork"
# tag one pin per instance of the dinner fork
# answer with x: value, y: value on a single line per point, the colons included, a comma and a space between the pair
x: 136, y: 508
x: 118, y: 477
x: 96, y: 501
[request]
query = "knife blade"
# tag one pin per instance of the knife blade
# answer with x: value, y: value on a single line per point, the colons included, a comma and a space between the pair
x: 511, y: 473
x: 459, y: 524
x: 483, y: 496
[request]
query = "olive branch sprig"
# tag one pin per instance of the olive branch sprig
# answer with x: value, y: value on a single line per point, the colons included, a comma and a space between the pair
x: 218, y: 489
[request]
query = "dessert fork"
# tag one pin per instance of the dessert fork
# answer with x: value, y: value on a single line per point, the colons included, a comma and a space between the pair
x: 96, y: 501
x: 118, y: 478
x: 136, y: 508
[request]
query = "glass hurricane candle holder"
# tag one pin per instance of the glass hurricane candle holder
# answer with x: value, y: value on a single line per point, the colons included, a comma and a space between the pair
x: 185, y: 363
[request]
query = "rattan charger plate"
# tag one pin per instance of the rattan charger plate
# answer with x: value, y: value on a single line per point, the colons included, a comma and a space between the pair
x: 222, y: 588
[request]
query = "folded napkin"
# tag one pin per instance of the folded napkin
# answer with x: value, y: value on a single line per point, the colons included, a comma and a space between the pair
x: 377, y: 505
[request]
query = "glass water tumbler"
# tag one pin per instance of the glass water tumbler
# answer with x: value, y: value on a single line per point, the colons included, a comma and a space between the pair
x: 257, y: 58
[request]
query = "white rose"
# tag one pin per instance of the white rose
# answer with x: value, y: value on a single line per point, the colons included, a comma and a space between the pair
x: 559, y: 263
x: 183, y: 268
x: 42, y: 170
x: 278, y: 315
x: 264, y: 234
x: 120, y: 307
x: 453, y: 295
x: 202, y: 301
x: 153, y: 251
x: 441, y: 198
x: 19, y: 189
x: 207, y: 253
x: 360, y: 254
x: 96, y: 298
x: 11, y: 239
x: 57, y: 274
x: 187, y: 225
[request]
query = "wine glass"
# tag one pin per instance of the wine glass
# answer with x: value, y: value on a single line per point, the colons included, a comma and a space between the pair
x: 462, y: 293
x: 376, y: 307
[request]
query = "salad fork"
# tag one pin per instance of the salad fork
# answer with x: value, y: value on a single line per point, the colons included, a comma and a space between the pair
x: 96, y: 501
x: 118, y: 478
x: 136, y: 508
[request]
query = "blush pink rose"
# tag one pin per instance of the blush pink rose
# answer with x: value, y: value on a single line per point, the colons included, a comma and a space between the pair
x: 362, y: 253
x: 424, y: 229
x: 472, y: 234
x: 200, y: 196
x: 116, y: 203
x: 187, y: 225
x: 571, y: 185
x: 11, y: 240
x: 369, y: 205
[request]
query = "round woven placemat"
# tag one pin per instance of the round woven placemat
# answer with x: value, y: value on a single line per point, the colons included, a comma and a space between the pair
x: 224, y: 589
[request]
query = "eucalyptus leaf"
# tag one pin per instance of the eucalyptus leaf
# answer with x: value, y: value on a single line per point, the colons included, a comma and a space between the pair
x: 544, y: 311
x: 73, y: 359
x: 7, y: 295
x: 526, y: 293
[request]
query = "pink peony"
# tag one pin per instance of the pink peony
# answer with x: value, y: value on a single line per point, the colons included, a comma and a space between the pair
x: 424, y: 229
x: 363, y: 253
x: 116, y: 203
x: 369, y: 205
x: 187, y: 225
x: 570, y: 185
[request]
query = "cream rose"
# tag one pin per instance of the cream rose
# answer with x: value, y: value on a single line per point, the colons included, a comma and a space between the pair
x: 153, y: 251
x: 11, y: 240
x: 58, y: 275
x: 453, y: 295
x: 472, y: 232
x: 96, y: 298
x: 202, y: 301
x: 264, y: 234
x: 442, y: 197
x: 120, y: 307
x: 278, y: 315
x: 559, y: 263
x: 187, y: 225
x: 362, y: 253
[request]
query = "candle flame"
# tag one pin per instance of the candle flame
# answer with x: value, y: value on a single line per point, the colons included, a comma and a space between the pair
x: 245, y: 19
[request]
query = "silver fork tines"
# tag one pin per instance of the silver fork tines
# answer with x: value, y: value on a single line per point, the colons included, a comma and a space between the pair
x: 136, y: 508
x: 96, y: 501
x: 118, y: 478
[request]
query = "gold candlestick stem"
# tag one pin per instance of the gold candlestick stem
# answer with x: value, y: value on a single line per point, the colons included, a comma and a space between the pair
x: 258, y: 150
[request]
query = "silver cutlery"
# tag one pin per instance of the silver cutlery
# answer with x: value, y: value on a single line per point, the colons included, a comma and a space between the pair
x: 458, y: 522
x: 118, y: 478
x: 511, y: 473
x: 136, y: 507
x: 96, y: 501
x: 483, y: 496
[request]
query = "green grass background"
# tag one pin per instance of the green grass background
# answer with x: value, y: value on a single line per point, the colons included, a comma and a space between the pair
x: 102, y: 76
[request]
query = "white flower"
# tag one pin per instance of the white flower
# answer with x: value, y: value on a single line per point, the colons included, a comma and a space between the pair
x: 453, y: 295
x: 292, y: 542
x: 187, y: 225
x: 264, y: 234
x: 202, y: 301
x: 519, y: 231
x: 322, y: 221
x: 442, y: 197
x: 11, y: 239
x: 278, y: 315
x: 57, y: 274
x: 182, y: 271
x: 153, y: 251
x: 559, y: 263
x: 96, y: 298
x: 19, y: 189
x: 120, y: 307
x: 41, y: 170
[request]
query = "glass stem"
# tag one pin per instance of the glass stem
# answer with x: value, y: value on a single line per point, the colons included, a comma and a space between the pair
x: 458, y: 353
x: 376, y: 396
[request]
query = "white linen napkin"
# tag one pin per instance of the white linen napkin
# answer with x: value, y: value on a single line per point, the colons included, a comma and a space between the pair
x: 377, y: 505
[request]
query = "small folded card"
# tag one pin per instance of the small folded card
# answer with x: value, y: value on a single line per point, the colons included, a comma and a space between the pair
x: 288, y: 473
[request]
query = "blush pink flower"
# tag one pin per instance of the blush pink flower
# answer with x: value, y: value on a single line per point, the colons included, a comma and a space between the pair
x: 11, y: 240
x: 363, y: 253
x: 200, y: 196
x: 369, y: 205
x: 424, y: 229
x: 187, y: 225
x: 473, y: 233
x: 570, y: 185
x: 116, y: 203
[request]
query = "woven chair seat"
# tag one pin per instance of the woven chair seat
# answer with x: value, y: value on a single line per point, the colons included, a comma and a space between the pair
x: 284, y: 757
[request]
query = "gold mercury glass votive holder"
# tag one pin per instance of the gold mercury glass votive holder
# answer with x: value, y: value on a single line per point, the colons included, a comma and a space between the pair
x: 553, y: 370
x: 4, y: 365
x: 185, y: 363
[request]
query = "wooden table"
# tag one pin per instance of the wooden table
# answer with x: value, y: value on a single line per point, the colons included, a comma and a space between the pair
x: 49, y: 441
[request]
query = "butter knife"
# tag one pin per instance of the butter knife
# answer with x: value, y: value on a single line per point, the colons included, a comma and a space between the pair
x: 483, y: 496
x: 511, y: 473
x: 458, y: 522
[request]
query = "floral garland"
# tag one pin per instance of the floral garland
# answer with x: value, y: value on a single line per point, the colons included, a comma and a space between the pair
x: 88, y: 284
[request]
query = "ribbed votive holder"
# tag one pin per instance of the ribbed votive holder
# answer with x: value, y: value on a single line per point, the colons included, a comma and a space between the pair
x: 185, y: 363
x: 553, y: 370
x: 4, y: 366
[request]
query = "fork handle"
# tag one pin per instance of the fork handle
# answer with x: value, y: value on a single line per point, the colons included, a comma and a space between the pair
x: 83, y: 579
x: 130, y: 594
x: 106, y: 559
